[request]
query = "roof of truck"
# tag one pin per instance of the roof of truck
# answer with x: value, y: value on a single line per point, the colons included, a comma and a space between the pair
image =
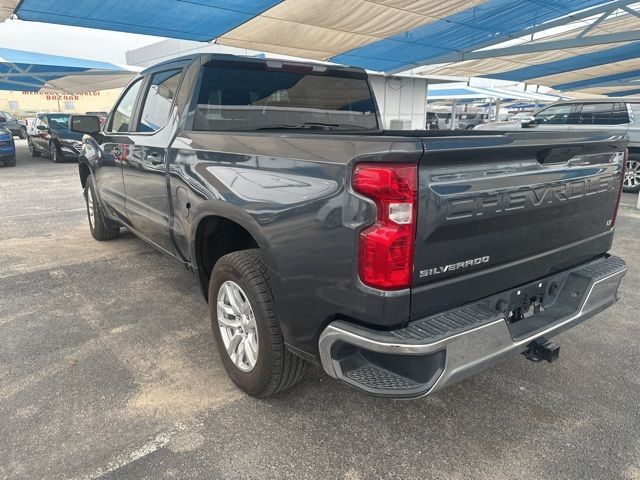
x: 208, y: 57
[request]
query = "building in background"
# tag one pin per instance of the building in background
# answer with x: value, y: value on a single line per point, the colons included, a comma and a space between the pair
x: 27, y: 103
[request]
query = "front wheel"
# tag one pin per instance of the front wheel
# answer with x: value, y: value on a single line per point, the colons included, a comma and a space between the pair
x: 54, y: 153
x: 632, y: 174
x: 246, y: 326
x: 97, y: 223
x: 32, y: 148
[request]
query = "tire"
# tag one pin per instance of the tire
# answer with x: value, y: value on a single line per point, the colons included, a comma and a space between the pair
x: 32, y: 149
x: 23, y: 134
x: 97, y: 223
x: 632, y: 174
x: 54, y: 153
x: 275, y: 367
x: 11, y: 162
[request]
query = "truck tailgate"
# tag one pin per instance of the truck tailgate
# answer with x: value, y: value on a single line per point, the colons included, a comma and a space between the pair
x: 498, y: 211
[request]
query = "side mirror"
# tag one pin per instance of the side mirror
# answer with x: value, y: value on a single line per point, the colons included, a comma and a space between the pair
x: 3, y: 120
x: 84, y: 124
x: 529, y: 122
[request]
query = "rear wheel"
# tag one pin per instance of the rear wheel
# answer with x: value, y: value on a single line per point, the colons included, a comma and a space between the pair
x: 9, y: 162
x: 246, y: 326
x: 632, y: 174
x: 23, y: 133
x: 32, y: 148
x: 97, y: 223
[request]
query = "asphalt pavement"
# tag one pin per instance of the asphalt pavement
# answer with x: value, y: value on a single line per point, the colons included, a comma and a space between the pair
x: 108, y: 370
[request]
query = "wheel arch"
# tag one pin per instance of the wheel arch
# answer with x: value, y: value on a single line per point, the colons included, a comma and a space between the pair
x: 84, y: 170
x: 216, y: 234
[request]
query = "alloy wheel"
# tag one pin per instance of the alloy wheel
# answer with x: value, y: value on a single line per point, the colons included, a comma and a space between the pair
x: 632, y: 174
x: 237, y: 324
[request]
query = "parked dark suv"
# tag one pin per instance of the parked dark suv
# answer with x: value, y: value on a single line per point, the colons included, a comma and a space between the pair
x: 15, y: 126
x: 616, y: 115
x: 53, y: 138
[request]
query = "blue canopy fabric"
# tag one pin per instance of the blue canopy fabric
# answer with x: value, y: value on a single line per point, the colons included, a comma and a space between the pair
x: 201, y: 20
x: 31, y: 72
x: 577, y: 62
x: 603, y: 81
x: 494, y: 18
x: 624, y: 93
x: 385, y: 36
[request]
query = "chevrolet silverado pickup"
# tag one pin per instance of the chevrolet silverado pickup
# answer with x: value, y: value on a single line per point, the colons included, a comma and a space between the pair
x: 399, y: 261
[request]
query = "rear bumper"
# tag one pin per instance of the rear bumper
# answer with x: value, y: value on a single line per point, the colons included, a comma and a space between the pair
x: 435, y: 351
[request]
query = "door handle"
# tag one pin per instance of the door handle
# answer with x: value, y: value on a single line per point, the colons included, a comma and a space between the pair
x: 154, y: 158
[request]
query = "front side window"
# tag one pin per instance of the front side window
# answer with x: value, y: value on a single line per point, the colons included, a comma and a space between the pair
x: 249, y: 97
x: 157, y: 105
x: 123, y: 112
x: 41, y: 120
x: 555, y: 115
x: 59, y: 121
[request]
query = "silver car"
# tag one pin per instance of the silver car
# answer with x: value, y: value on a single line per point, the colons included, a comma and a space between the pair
x: 614, y: 114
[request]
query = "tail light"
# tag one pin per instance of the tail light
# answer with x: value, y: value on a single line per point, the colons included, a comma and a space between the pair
x: 623, y: 170
x: 385, y: 256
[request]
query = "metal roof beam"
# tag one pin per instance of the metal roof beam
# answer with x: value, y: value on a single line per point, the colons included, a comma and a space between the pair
x: 631, y: 11
x: 618, y: 37
x: 41, y: 75
x: 595, y: 23
x: 567, y: 19
x: 605, y: 80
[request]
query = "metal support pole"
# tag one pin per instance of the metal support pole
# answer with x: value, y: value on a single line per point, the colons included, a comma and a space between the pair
x: 454, y: 107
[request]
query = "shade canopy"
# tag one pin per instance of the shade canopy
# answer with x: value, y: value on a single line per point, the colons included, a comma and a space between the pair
x: 551, y: 42
x: 32, y: 72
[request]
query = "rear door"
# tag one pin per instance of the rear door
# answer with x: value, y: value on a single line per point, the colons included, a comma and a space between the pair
x: 144, y: 168
x: 496, y: 212
x: 613, y: 117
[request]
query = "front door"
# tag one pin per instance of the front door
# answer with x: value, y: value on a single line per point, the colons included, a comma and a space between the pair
x: 555, y: 117
x: 40, y: 140
x: 116, y: 144
x: 144, y: 169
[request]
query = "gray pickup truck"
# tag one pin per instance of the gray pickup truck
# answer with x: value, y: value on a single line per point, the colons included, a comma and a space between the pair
x: 399, y: 261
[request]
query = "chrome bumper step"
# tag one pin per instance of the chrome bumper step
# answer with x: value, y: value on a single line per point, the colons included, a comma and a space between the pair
x: 432, y: 352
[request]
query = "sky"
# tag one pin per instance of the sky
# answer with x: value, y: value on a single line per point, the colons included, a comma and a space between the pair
x: 101, y: 45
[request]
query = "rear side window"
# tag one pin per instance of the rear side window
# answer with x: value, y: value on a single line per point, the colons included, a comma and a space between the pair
x: 157, y: 105
x: 635, y: 111
x: 595, y: 114
x: 121, y: 118
x: 256, y: 96
x: 620, y: 114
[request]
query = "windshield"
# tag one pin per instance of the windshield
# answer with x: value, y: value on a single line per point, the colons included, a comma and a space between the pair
x: 59, y: 122
x: 250, y: 96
